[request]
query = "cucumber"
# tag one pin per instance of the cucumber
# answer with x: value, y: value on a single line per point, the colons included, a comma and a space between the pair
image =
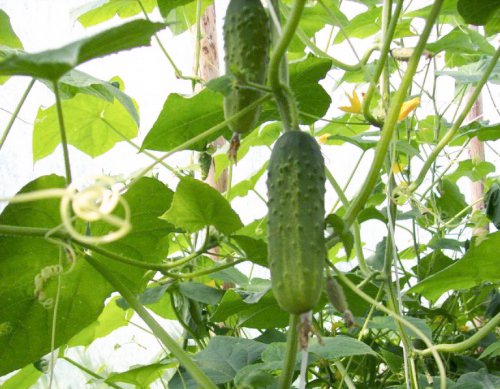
x: 296, y: 242
x: 247, y: 39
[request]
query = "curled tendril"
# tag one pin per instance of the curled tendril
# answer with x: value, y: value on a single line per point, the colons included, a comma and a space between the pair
x: 92, y: 203
x: 95, y: 202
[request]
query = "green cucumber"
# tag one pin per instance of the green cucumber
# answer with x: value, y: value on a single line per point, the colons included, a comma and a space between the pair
x: 247, y: 39
x: 296, y: 241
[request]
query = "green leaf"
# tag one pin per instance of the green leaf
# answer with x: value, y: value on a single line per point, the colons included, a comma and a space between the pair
x: 493, y: 204
x: 342, y: 230
x: 99, y: 11
x: 431, y: 264
x: 340, y: 346
x: 197, y: 205
x: 76, y: 81
x: 7, y: 38
x: 181, y: 119
x: 362, y: 25
x: 474, y: 171
x: 477, y: 12
x: 52, y: 64
x: 256, y: 376
x: 200, y: 292
x: 482, y: 131
x: 183, y: 16
x: 111, y: 318
x: 462, y: 40
x: 92, y: 126
x: 26, y: 378
x: 255, y: 249
x: 477, y: 266
x: 472, y: 73
x: 451, y: 201
x: 492, y: 351
x: 141, y: 376
x: 310, y: 96
x: 371, y: 213
x: 242, y: 188
x: 220, y: 361
x: 83, y: 290
x: 166, y: 6
x: 479, y: 380
x: 274, y: 355
x: 265, y: 313
x: 387, y: 322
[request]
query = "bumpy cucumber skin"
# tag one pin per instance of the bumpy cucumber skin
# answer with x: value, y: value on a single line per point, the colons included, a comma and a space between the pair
x: 296, y: 242
x: 247, y: 42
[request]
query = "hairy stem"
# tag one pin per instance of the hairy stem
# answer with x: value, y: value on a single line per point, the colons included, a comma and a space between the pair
x: 285, y: 379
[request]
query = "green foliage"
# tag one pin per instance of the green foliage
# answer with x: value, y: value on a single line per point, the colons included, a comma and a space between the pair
x: 180, y: 259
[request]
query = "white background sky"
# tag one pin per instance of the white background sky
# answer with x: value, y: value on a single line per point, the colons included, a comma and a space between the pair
x: 148, y: 78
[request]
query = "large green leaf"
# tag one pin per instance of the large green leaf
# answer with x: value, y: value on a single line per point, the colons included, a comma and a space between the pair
x: 52, y: 64
x: 99, y: 11
x: 26, y: 323
x: 181, y: 119
x: 387, y: 322
x: 220, y: 361
x: 480, y: 12
x: 197, y: 205
x: 92, y: 125
x: 479, y: 380
x: 477, y: 266
x: 7, y: 37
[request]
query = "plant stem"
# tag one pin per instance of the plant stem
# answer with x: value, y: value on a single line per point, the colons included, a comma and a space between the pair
x: 451, y: 132
x: 196, y: 373
x: 62, y: 130
x: 282, y: 94
x: 381, y: 64
x: 392, y: 117
x: 466, y: 344
x: 292, y: 342
x: 90, y: 372
x: 16, y: 112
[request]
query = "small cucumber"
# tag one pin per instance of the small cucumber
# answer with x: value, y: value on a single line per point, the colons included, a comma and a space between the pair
x: 296, y: 242
x: 247, y: 39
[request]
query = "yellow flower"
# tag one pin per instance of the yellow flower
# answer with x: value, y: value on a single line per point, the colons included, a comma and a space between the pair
x: 407, y: 107
x: 398, y: 167
x: 323, y: 138
x: 355, y: 106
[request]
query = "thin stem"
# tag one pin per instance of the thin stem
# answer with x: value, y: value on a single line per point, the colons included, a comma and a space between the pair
x: 197, y: 40
x: 138, y: 148
x: 384, y: 54
x: 62, y: 130
x: 205, y: 272
x: 196, y: 373
x: 348, y: 381
x: 392, y: 118
x: 466, y: 344
x: 90, y: 372
x: 285, y: 379
x: 177, y: 71
x: 451, y: 132
x: 16, y: 112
